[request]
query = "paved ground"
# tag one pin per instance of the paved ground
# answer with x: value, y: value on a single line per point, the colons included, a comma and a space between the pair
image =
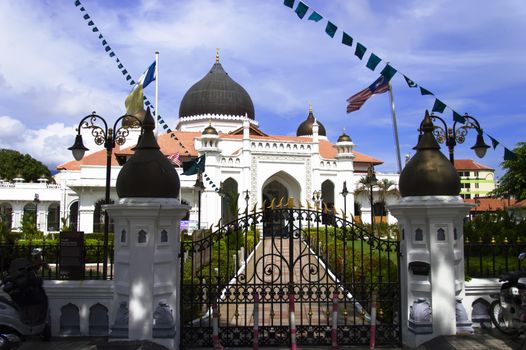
x: 482, y: 340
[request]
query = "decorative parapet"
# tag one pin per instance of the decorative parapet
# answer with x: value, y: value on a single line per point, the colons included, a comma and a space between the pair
x: 281, y: 147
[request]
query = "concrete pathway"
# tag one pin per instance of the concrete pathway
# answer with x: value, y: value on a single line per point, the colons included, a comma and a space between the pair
x: 483, y: 339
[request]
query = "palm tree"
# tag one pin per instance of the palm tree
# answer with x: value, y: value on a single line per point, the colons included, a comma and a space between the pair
x: 386, y: 188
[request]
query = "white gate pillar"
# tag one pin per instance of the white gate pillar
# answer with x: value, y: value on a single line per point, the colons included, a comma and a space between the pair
x: 430, y: 219
x: 147, y: 240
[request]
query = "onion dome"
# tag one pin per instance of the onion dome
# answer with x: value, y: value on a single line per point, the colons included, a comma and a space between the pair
x: 209, y: 130
x: 305, y: 128
x: 429, y: 172
x: 218, y: 94
x: 344, y: 138
x: 148, y: 173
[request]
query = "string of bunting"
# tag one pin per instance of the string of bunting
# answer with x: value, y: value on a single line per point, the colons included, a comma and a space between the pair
x: 388, y: 71
x: 124, y: 71
x: 210, y: 182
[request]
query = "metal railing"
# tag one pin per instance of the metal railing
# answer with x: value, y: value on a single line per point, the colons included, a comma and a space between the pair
x: 91, y: 267
x: 485, y: 260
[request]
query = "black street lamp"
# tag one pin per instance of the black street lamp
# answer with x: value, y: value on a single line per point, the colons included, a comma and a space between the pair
x: 454, y: 135
x: 109, y: 137
x: 199, y: 186
x: 371, y: 181
x: 344, y: 193
x: 247, y: 198
x: 36, y: 200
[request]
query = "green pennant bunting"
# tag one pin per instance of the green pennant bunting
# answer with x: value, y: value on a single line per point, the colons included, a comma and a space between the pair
x: 77, y: 3
x: 373, y: 61
x: 315, y: 16
x: 360, y: 50
x: 494, y: 142
x: 107, y: 48
x: 95, y: 29
x: 301, y: 9
x: 388, y: 72
x: 410, y: 83
x: 509, y: 155
x: 330, y: 29
x: 346, y: 39
x: 86, y: 16
x: 82, y: 9
x: 458, y: 118
x: 100, y: 36
x: 439, y: 106
x: 425, y: 91
x: 289, y: 3
x: 90, y: 23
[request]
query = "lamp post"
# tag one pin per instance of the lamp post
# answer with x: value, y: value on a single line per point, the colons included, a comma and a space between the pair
x: 344, y: 193
x: 247, y: 198
x: 199, y: 186
x: 109, y: 137
x: 371, y: 181
x: 36, y: 200
x: 451, y: 136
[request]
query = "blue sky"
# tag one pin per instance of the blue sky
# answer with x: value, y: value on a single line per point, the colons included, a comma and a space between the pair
x: 470, y: 54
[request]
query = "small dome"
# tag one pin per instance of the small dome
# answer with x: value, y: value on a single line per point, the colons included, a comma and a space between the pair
x: 209, y: 130
x: 305, y: 128
x: 429, y: 172
x: 344, y: 138
x: 148, y: 173
x: 216, y: 93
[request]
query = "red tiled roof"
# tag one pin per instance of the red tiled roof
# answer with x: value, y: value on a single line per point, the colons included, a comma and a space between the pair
x: 184, y: 144
x: 469, y: 164
x: 490, y: 204
x: 519, y: 205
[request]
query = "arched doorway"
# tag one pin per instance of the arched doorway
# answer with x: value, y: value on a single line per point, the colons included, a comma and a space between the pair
x: 278, y: 189
x: 229, y: 200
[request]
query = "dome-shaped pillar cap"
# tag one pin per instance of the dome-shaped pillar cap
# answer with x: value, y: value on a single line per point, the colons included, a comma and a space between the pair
x: 429, y: 172
x: 148, y: 173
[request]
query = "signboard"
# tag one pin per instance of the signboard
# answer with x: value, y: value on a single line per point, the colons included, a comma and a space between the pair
x: 71, y: 264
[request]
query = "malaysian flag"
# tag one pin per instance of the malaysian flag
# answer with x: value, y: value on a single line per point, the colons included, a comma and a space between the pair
x: 174, y: 159
x: 381, y: 85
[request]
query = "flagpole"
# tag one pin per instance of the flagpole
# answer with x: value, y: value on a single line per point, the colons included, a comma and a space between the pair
x: 156, y: 93
x: 395, y: 128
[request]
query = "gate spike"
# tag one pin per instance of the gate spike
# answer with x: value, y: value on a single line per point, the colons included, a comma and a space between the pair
x: 271, y: 206
x: 308, y: 204
x: 343, y: 215
x: 290, y: 203
x: 300, y: 205
x: 218, y: 225
x: 280, y: 204
x: 264, y: 205
x: 255, y: 207
x: 325, y: 208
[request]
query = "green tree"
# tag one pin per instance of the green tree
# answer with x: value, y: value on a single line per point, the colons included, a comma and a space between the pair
x: 513, y: 183
x: 14, y: 163
x: 29, y: 229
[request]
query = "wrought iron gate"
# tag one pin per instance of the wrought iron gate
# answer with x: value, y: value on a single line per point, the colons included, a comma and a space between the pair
x: 255, y: 270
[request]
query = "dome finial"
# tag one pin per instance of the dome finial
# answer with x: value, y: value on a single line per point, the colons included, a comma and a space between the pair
x: 217, y: 55
x: 310, y: 107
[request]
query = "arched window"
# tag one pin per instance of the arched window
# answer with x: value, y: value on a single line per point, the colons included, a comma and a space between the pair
x: 53, y: 217
x: 30, y: 213
x: 6, y: 215
x: 74, y: 215
x: 229, y: 200
x: 98, y: 217
x: 327, y: 193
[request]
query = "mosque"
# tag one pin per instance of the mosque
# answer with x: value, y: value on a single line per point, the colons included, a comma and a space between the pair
x: 217, y: 119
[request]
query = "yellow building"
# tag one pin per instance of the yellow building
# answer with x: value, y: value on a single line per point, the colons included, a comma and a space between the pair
x: 476, y: 180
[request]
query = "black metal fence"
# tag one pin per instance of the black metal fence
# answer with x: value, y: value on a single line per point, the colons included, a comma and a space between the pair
x: 483, y: 260
x: 92, y: 267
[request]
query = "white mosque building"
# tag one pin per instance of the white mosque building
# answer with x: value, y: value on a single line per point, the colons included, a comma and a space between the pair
x: 216, y: 119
